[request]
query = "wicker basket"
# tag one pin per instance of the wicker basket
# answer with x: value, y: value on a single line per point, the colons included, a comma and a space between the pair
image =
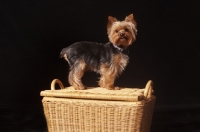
x: 98, y: 109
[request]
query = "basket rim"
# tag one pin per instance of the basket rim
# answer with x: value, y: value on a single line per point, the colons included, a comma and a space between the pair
x: 124, y: 94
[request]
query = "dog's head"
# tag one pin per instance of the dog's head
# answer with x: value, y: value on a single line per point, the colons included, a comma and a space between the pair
x: 122, y: 33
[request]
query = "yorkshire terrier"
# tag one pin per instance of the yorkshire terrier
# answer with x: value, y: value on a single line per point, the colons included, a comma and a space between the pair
x: 107, y: 59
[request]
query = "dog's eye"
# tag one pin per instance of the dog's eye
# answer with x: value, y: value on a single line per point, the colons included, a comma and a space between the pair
x: 116, y: 31
x: 126, y: 30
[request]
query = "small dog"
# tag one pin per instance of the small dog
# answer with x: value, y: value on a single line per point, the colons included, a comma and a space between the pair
x: 109, y: 59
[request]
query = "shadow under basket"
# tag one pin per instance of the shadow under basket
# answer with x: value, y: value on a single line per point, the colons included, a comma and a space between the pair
x: 98, y: 109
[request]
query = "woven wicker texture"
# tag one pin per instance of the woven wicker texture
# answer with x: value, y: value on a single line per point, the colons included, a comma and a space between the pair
x: 126, y: 94
x: 91, y: 110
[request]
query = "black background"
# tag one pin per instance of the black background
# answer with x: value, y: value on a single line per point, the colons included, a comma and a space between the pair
x: 33, y: 32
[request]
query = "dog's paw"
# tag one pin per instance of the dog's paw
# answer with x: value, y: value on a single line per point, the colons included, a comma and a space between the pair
x: 80, y: 87
x: 113, y: 88
x: 116, y: 88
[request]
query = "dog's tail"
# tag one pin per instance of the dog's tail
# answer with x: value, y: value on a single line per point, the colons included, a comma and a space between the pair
x: 63, y: 52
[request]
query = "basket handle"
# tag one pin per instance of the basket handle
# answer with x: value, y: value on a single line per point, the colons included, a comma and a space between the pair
x: 53, y: 84
x: 148, y: 89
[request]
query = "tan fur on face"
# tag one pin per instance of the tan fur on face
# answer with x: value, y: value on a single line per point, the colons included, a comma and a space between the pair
x: 127, y: 27
x: 122, y: 27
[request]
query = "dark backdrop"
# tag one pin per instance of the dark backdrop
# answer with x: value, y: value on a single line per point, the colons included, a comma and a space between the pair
x: 33, y: 32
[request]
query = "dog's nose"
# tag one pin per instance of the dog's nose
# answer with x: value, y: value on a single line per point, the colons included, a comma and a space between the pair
x: 121, y: 34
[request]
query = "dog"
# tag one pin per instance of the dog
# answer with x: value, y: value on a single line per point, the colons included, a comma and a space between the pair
x: 107, y: 59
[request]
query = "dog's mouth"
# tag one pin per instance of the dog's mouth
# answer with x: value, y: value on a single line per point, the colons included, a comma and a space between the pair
x: 123, y: 38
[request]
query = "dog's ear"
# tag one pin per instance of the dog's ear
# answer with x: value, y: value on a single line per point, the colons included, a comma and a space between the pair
x: 130, y: 18
x: 111, y: 20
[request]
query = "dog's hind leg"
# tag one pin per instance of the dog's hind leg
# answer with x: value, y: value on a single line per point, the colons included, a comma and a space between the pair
x: 75, y: 75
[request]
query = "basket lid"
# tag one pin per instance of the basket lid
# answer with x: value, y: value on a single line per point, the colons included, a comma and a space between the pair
x: 98, y: 93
